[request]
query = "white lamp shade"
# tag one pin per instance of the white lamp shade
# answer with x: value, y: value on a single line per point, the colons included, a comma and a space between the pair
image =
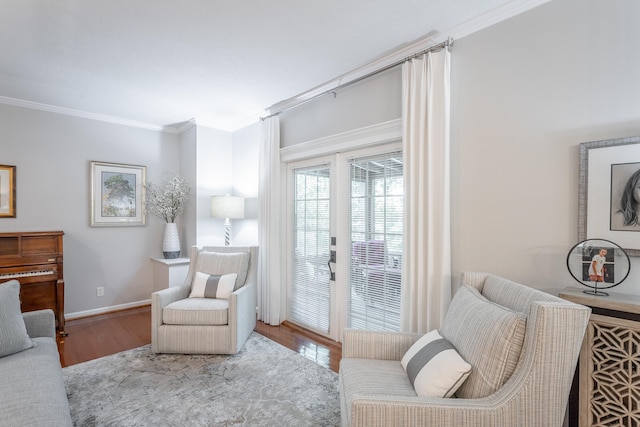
x: 227, y: 207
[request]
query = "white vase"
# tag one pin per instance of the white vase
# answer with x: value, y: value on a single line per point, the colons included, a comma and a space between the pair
x: 171, y: 242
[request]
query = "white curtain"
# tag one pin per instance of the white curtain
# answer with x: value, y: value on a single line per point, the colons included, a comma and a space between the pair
x: 427, y: 242
x: 269, y: 223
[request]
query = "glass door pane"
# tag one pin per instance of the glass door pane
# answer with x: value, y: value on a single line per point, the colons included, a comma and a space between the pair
x: 376, y: 217
x: 310, y: 296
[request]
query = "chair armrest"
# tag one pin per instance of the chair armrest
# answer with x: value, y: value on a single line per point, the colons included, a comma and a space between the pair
x: 242, y: 308
x: 40, y: 323
x: 380, y: 345
x: 166, y: 296
x: 243, y: 300
x: 161, y: 299
x: 244, y: 295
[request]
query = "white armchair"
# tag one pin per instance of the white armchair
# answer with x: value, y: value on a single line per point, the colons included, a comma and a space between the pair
x: 180, y: 324
x: 522, y: 344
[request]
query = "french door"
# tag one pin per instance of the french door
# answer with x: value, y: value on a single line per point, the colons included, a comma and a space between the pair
x: 344, y: 257
x: 310, y: 292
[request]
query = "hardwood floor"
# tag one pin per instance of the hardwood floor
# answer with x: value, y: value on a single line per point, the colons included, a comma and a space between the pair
x: 96, y: 336
x: 321, y: 350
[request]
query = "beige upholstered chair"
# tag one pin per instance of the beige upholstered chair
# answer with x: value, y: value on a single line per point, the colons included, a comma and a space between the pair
x: 521, y: 343
x: 180, y: 324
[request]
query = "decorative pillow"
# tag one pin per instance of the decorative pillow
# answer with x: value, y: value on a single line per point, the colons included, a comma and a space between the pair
x: 487, y: 335
x: 434, y: 367
x: 224, y: 263
x: 13, y: 332
x: 213, y: 285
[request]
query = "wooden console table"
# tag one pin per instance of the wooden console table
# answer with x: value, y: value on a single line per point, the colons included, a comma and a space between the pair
x: 608, y: 389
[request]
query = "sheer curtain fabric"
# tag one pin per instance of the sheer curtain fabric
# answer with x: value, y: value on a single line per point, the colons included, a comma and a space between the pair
x: 427, y: 242
x: 269, y: 223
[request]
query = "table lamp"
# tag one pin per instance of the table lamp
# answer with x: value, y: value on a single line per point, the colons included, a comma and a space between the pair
x: 227, y: 207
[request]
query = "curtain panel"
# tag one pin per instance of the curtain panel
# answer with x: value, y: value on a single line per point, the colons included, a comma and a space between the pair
x: 426, y: 288
x: 269, y: 223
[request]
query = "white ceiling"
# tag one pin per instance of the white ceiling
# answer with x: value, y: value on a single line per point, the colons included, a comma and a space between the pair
x: 164, y: 62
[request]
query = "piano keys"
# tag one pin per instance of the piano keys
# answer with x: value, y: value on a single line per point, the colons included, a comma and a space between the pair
x: 35, y: 259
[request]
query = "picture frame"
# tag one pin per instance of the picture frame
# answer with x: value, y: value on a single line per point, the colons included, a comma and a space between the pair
x: 7, y: 191
x: 606, y: 167
x: 117, y: 194
x: 598, y: 270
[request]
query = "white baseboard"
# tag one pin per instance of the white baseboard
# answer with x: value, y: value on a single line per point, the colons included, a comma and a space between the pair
x: 103, y: 310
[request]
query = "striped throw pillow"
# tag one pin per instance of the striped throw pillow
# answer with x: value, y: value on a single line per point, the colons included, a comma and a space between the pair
x: 487, y: 335
x: 434, y: 367
x: 213, y: 285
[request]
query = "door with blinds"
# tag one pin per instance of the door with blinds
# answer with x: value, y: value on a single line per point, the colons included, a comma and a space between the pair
x: 346, y: 217
x: 375, y: 217
x: 310, y: 295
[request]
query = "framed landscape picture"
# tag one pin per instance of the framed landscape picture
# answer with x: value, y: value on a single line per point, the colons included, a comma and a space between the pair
x: 7, y: 191
x: 117, y: 194
x: 609, y: 194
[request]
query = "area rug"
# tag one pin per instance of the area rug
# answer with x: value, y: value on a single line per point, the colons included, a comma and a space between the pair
x: 265, y: 384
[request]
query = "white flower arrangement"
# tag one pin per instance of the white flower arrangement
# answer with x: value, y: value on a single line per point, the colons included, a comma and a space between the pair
x: 167, y: 201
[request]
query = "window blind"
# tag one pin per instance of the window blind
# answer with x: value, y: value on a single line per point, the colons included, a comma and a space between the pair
x: 309, y: 302
x: 376, y: 214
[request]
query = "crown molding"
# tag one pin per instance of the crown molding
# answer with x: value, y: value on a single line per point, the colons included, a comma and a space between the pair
x: 185, y: 126
x: 249, y: 120
x: 85, y: 115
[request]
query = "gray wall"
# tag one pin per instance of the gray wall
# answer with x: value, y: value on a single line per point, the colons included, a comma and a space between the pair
x: 52, y: 154
x: 525, y: 93
x: 372, y: 101
x: 246, y: 162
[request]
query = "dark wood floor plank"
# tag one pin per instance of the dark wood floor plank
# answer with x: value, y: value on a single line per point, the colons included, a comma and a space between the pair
x: 97, y: 336
x: 321, y: 350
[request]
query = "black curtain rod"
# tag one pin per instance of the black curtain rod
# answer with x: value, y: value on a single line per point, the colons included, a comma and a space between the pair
x: 444, y: 44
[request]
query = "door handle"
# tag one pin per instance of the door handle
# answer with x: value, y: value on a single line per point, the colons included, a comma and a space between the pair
x: 332, y: 275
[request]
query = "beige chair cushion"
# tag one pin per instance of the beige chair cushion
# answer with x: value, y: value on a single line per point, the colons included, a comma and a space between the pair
x: 488, y: 336
x: 197, y: 311
x: 219, y: 263
x: 371, y: 377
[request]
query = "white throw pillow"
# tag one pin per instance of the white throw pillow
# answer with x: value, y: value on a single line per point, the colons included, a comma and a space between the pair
x: 434, y: 367
x: 213, y: 285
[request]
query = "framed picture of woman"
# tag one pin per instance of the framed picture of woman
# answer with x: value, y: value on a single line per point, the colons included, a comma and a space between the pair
x: 609, y: 193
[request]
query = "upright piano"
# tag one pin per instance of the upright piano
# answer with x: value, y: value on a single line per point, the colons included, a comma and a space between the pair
x: 35, y: 260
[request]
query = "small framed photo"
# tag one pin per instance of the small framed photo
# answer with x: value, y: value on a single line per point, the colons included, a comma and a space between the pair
x: 117, y: 194
x: 7, y: 191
